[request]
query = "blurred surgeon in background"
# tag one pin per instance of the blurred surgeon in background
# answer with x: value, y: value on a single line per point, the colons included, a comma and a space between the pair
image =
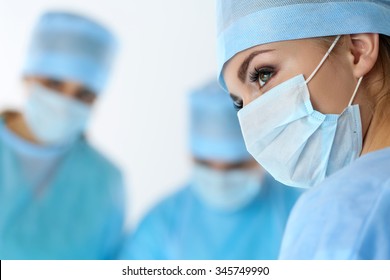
x: 230, y: 209
x: 59, y: 197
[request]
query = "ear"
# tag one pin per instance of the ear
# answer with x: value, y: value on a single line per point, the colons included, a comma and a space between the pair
x: 364, y: 49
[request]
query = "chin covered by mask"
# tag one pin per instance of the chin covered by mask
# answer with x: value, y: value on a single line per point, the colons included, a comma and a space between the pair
x: 226, y: 190
x: 53, y: 118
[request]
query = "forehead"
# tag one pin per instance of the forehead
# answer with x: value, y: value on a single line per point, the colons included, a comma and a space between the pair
x: 282, y: 54
x: 62, y: 82
x: 285, y: 49
x: 291, y: 46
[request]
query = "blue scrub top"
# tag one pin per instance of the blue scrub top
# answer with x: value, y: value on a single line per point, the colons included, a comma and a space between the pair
x: 346, y: 217
x: 77, y: 212
x: 183, y: 227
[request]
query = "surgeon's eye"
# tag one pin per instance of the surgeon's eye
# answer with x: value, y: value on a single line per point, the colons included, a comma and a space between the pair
x: 85, y: 95
x: 261, y: 75
x: 53, y: 84
x: 237, y: 102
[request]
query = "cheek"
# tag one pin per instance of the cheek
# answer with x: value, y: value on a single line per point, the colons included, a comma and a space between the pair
x: 231, y: 79
x: 332, y: 87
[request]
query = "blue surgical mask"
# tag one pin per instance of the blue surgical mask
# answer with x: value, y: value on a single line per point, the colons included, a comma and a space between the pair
x: 226, y: 190
x: 296, y: 144
x: 53, y: 118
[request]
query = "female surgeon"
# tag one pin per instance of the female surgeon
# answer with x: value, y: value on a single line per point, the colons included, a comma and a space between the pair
x: 313, y: 78
x: 59, y: 197
x: 229, y: 209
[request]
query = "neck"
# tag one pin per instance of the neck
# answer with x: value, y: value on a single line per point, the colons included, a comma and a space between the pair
x: 378, y: 134
x: 17, y: 124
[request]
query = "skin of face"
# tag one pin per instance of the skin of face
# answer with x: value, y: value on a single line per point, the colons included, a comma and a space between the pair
x: 331, y: 88
x: 69, y: 89
x: 228, y: 166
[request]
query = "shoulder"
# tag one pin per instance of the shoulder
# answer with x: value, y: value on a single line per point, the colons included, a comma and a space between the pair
x: 362, y: 181
x: 280, y: 192
x: 96, y: 161
x: 161, y: 218
x: 170, y: 206
x: 334, y: 219
x: 99, y: 175
x: 153, y: 235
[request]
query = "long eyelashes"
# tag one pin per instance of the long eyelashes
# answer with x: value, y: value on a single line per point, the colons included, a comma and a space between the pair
x: 237, y: 102
x: 261, y: 75
x: 238, y: 105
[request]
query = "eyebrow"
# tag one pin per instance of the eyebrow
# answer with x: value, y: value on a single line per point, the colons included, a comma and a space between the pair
x: 242, y: 72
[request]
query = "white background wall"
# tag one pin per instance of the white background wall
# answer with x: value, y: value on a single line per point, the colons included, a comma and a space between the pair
x: 168, y: 47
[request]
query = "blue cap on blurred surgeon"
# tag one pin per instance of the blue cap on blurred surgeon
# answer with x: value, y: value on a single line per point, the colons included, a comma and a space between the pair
x: 66, y: 46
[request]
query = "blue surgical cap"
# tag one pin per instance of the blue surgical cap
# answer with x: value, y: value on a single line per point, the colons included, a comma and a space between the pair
x: 215, y: 132
x: 67, y: 46
x: 243, y: 24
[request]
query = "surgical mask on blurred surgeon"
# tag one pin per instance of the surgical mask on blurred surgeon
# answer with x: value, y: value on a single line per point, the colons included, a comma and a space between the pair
x: 297, y: 145
x: 226, y: 190
x: 53, y: 118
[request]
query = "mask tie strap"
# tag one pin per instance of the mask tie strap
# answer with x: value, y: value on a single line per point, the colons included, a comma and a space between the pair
x: 356, y: 89
x: 323, y: 59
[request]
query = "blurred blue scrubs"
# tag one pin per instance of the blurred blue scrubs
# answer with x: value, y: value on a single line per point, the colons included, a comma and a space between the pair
x: 346, y: 216
x: 58, y: 203
x: 235, y: 213
x: 61, y: 199
x: 184, y: 227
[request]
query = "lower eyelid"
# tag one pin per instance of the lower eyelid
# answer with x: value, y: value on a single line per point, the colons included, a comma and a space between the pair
x: 269, y: 81
x: 255, y: 74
